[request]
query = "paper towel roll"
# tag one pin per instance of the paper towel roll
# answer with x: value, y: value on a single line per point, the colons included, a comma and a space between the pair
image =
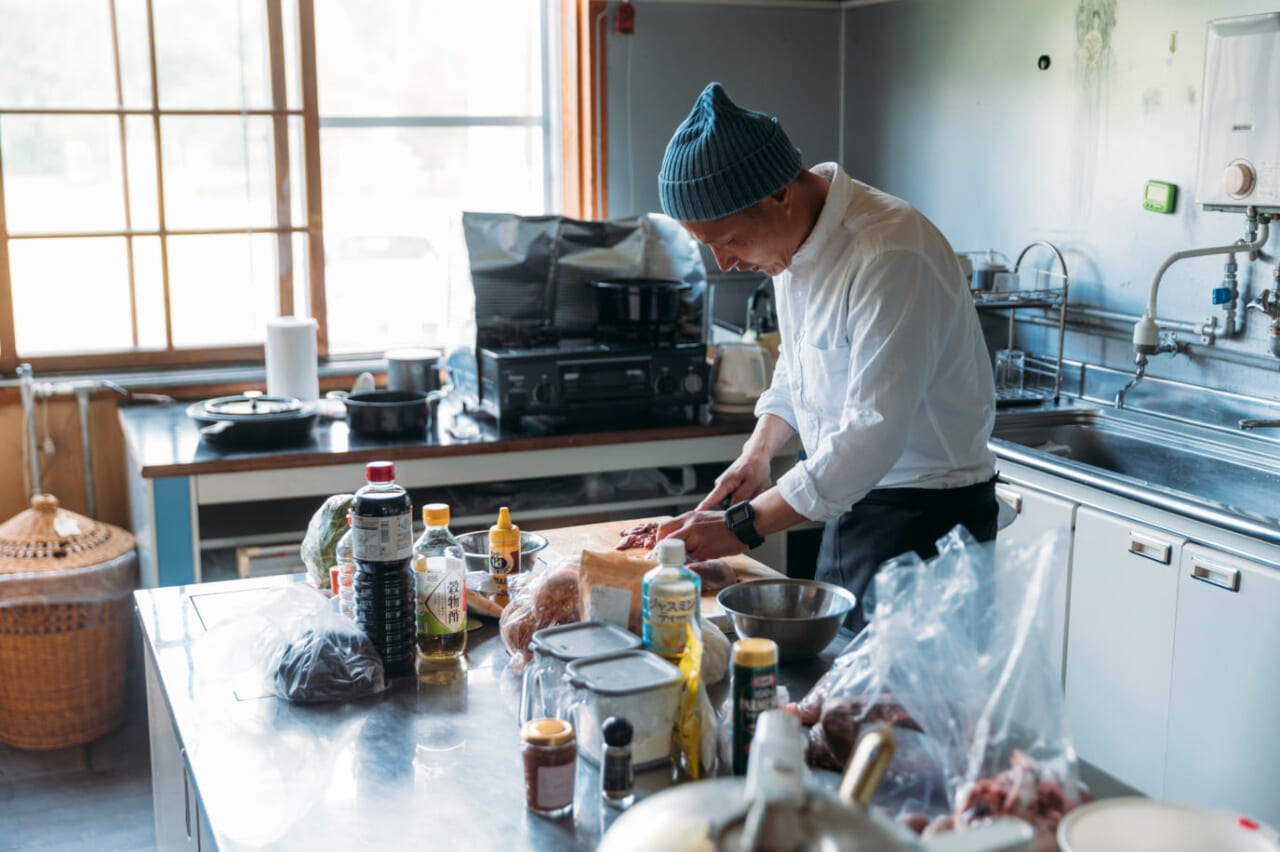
x: 292, y: 365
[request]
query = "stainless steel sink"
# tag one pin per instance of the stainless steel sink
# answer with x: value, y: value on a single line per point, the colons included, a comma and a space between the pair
x: 1203, y: 472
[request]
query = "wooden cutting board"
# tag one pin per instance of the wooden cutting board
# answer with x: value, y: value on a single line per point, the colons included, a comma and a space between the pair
x: 570, y: 541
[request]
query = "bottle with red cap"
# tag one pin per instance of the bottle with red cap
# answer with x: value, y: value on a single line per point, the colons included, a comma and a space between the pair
x: 382, y: 552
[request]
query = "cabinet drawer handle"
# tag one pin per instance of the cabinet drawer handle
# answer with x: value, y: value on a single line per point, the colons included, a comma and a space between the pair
x: 1149, y: 548
x: 1217, y: 575
x: 1013, y: 498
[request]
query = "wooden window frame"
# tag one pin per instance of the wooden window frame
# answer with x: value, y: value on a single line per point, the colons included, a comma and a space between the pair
x: 584, y: 164
x: 584, y: 108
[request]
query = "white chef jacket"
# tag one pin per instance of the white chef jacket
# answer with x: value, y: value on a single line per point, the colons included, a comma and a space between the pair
x: 883, y: 370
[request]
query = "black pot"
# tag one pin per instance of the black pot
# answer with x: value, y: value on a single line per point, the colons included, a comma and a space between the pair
x: 253, y: 421
x: 638, y: 301
x: 388, y: 413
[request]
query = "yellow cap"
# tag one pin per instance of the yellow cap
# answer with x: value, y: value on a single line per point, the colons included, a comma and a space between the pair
x: 755, y: 653
x: 435, y: 514
x: 547, y: 732
x: 504, y: 520
x: 504, y: 532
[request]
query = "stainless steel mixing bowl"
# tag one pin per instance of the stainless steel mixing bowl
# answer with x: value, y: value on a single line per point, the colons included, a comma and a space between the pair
x: 475, y: 549
x: 802, y: 616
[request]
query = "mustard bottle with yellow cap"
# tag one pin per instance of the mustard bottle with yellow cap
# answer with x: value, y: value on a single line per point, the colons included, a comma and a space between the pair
x: 504, y: 554
x: 755, y: 685
x: 440, y: 585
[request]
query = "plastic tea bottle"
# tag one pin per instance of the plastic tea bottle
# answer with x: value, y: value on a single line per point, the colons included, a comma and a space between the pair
x: 504, y: 554
x: 671, y: 594
x: 755, y: 686
x: 346, y: 570
x: 382, y: 551
x: 441, y: 576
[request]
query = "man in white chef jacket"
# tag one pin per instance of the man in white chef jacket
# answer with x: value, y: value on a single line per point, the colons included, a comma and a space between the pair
x: 883, y: 371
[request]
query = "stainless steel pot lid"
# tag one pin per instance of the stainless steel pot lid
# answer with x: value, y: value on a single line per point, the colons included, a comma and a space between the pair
x: 249, y: 406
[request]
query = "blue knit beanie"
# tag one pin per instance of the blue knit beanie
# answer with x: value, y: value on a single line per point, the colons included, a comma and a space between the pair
x: 723, y: 159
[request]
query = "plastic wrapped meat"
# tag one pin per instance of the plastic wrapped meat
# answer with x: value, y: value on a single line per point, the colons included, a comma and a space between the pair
x: 538, y: 600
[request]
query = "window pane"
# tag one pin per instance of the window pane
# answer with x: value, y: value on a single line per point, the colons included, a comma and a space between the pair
x: 217, y: 172
x: 70, y: 295
x: 135, y: 52
x: 429, y: 58
x: 149, y: 286
x: 292, y: 63
x: 392, y: 200
x: 62, y: 173
x: 301, y: 276
x: 212, y: 54
x: 222, y: 288
x: 57, y: 53
x: 143, y: 202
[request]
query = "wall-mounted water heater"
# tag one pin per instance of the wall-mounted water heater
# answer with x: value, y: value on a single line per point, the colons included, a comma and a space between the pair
x: 1240, y: 118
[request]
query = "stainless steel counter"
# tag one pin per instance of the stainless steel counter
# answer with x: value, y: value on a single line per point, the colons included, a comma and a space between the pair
x: 433, y: 761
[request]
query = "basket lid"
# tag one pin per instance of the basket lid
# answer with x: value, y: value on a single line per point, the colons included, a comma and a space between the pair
x: 49, y: 538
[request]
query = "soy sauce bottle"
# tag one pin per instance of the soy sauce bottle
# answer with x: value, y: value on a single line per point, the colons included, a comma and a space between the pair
x: 382, y: 552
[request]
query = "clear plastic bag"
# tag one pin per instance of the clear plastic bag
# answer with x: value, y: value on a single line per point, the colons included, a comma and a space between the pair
x: 957, y: 658
x: 297, y: 647
x: 539, y: 598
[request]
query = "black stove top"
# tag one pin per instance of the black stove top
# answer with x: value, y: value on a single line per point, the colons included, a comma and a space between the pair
x: 589, y: 378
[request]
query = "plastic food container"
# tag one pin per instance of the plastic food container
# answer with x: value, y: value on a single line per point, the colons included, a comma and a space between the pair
x: 638, y: 686
x: 544, y: 690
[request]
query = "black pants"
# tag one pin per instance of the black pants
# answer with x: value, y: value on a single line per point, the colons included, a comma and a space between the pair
x: 888, y: 522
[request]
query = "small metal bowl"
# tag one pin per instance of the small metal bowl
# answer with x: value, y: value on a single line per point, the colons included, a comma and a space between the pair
x: 802, y: 616
x: 475, y: 549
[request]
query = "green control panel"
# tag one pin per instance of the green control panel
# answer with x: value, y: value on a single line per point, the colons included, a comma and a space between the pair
x: 1160, y: 197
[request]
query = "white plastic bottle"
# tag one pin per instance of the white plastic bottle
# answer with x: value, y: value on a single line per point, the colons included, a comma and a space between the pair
x: 672, y: 594
x: 346, y: 572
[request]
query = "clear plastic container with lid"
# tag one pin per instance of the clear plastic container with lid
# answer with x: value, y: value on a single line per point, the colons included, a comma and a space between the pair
x: 636, y: 685
x: 440, y: 577
x: 550, y: 756
x: 544, y: 691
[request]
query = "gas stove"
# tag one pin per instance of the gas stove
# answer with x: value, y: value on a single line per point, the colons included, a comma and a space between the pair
x: 608, y: 380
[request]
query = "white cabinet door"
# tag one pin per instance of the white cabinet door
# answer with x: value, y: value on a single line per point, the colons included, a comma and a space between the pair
x: 1039, y: 513
x: 1224, y: 738
x: 1124, y: 589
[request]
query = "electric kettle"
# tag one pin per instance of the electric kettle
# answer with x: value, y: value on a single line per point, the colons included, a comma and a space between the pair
x: 739, y: 374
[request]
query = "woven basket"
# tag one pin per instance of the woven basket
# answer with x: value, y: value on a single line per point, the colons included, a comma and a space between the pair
x: 65, y: 582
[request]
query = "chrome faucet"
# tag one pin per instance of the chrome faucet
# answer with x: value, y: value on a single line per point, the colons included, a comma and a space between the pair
x: 1141, y: 361
x: 1168, y: 343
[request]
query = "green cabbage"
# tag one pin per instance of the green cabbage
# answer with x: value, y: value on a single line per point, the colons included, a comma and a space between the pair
x: 326, y: 527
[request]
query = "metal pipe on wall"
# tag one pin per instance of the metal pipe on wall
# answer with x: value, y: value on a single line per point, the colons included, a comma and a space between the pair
x: 27, y: 392
x: 1211, y: 353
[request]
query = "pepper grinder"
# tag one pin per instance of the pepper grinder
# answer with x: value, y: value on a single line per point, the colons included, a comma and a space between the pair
x: 617, y: 781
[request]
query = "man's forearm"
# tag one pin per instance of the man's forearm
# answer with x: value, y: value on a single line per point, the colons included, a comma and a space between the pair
x: 773, y: 513
x: 767, y: 438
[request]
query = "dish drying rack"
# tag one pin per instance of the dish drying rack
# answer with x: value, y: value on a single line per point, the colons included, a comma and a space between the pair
x: 1042, y: 377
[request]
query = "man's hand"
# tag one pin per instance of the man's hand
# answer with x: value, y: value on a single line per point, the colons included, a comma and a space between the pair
x: 742, y: 480
x: 705, y: 535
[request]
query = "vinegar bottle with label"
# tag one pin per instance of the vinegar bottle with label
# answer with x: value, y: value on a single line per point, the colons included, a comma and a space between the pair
x: 382, y: 551
x: 671, y: 594
x: 441, y: 576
